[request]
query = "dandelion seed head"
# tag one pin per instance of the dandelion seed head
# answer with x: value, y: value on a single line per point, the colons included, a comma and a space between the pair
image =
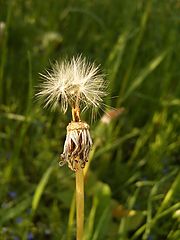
x: 72, y: 83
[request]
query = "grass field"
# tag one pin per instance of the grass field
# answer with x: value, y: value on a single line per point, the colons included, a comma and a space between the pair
x: 132, y: 184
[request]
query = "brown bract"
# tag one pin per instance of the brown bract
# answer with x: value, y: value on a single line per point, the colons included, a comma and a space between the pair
x: 77, y: 145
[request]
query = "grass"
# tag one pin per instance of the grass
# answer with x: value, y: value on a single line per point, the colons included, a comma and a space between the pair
x: 132, y: 180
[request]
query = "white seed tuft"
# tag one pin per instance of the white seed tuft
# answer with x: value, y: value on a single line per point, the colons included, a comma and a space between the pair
x: 77, y: 83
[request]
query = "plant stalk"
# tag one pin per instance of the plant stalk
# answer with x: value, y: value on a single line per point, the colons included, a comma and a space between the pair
x: 79, y: 187
x: 79, y: 203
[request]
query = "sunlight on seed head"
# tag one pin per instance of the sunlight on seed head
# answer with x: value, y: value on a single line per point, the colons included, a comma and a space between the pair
x: 73, y: 82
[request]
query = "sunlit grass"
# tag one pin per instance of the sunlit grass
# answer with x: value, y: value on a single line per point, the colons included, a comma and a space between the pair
x: 132, y: 179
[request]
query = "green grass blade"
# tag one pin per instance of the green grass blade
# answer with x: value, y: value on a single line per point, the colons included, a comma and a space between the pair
x: 115, y: 57
x: 169, y: 194
x: 71, y: 218
x: 144, y: 73
x: 30, y: 85
x: 8, y: 214
x: 101, y: 223
x: 136, y: 46
x: 116, y: 143
x: 40, y: 188
x: 4, y: 52
x: 91, y: 220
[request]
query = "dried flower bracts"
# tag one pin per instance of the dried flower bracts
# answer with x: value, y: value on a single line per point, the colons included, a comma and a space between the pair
x: 77, y: 145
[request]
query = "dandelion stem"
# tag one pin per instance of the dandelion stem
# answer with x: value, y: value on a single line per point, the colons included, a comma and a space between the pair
x: 76, y: 114
x: 79, y: 188
x: 79, y: 203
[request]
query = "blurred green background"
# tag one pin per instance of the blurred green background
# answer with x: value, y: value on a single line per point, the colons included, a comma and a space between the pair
x: 132, y: 185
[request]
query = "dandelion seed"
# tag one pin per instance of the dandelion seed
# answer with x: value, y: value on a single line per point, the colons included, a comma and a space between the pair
x: 74, y: 82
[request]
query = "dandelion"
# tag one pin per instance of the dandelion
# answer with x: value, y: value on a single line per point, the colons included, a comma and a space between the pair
x: 75, y: 83
x: 79, y: 85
